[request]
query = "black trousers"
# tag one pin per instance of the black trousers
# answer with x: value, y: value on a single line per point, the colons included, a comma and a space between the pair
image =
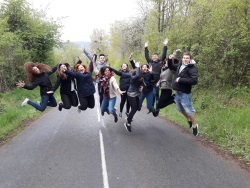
x: 134, y: 104
x: 69, y: 100
x: 87, y: 102
x: 166, y: 98
x: 124, y: 99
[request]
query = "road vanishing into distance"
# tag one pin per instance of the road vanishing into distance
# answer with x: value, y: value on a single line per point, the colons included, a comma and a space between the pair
x: 68, y: 149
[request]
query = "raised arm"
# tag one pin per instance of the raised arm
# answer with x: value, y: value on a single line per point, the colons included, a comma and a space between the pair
x: 171, y: 66
x: 131, y: 60
x: 165, y: 49
x: 86, y: 53
x: 92, y: 64
x: 147, y: 53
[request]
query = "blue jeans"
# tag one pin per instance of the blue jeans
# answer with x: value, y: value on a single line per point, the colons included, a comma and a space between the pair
x: 47, y: 100
x: 149, y: 97
x: 108, y: 105
x: 156, y: 91
x: 184, y: 102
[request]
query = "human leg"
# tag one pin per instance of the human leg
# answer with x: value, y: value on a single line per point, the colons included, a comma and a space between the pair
x: 74, y: 99
x: 66, y: 101
x: 83, y: 103
x: 52, y: 101
x: 156, y: 91
x: 104, y: 106
x: 43, y: 104
x: 134, y: 104
x: 91, y: 101
x: 149, y: 98
x: 111, y: 108
x: 189, y: 111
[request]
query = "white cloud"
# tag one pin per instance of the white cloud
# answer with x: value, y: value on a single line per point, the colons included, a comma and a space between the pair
x: 82, y: 17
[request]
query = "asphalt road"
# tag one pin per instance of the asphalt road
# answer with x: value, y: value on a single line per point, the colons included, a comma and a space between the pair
x: 68, y: 149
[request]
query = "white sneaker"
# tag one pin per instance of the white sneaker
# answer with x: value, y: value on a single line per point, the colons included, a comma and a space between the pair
x: 25, y: 102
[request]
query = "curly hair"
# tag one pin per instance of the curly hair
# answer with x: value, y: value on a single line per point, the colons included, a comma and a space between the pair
x: 28, y: 66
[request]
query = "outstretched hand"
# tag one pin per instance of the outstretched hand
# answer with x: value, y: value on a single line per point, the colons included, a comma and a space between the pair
x: 20, y: 83
x: 171, y: 56
x: 121, y: 92
x: 130, y: 57
x: 146, y: 44
x: 165, y: 42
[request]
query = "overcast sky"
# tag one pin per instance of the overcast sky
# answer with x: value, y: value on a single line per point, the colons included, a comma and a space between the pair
x: 83, y: 16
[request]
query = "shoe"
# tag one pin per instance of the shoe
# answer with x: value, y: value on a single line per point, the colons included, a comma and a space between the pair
x: 25, y: 102
x: 79, y: 110
x: 116, y: 119
x: 156, y: 113
x: 190, y: 124
x: 60, y: 106
x: 149, y: 112
x: 102, y: 113
x: 128, y: 127
x: 127, y: 113
x: 127, y: 119
x: 120, y: 114
x: 195, y: 130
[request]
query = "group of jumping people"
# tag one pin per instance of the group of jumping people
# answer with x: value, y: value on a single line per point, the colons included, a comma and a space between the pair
x: 153, y: 81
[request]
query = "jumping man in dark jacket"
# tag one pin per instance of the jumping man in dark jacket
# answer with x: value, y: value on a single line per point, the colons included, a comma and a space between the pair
x: 185, y: 77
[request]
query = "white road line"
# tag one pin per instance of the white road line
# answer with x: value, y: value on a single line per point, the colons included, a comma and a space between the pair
x: 98, y: 114
x: 104, y: 168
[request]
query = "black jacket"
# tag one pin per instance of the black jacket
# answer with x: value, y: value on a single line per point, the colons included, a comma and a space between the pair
x: 65, y: 85
x: 188, y: 76
x: 43, y: 81
x: 124, y: 79
x: 156, y: 65
x: 147, y: 82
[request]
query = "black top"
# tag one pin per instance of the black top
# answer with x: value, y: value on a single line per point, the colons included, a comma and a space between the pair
x: 156, y: 65
x: 188, y: 76
x: 43, y: 81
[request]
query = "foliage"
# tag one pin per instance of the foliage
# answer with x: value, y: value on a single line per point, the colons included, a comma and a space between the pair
x: 26, y: 35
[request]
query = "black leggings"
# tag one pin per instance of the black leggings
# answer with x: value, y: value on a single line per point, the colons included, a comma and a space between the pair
x: 124, y: 98
x: 166, y: 98
x: 134, y: 104
x: 87, y: 102
x: 69, y: 100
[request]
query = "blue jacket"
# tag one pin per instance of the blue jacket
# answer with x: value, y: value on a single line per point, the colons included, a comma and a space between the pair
x: 85, y: 85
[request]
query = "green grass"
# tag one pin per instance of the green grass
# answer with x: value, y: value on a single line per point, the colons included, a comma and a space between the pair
x: 12, y: 114
x: 223, y: 117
